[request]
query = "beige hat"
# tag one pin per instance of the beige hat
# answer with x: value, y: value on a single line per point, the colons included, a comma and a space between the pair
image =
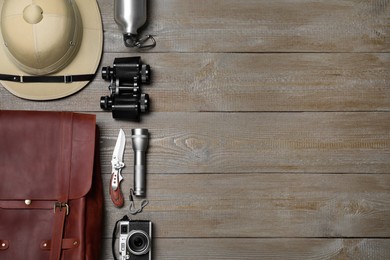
x: 49, y: 48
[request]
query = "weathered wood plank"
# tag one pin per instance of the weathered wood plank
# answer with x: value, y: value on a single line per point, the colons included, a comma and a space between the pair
x: 246, y: 82
x: 261, y: 205
x: 243, y: 184
x: 258, y: 142
x: 232, y: 248
x: 260, y: 26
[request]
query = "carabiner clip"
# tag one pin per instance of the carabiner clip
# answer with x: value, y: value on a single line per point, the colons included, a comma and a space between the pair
x: 145, y: 42
x: 142, y: 43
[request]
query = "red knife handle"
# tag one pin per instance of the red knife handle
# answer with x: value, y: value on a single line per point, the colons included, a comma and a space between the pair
x: 116, y: 195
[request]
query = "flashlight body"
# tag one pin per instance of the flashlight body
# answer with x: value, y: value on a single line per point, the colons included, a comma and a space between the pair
x: 130, y: 15
x: 140, y: 142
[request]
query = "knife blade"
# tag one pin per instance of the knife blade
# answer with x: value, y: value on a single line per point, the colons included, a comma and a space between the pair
x: 117, y: 166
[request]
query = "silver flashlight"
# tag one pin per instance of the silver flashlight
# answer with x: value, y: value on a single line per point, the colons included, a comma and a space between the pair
x: 140, y: 140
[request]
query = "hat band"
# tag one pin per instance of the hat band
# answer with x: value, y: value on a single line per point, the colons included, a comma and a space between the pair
x: 47, y: 79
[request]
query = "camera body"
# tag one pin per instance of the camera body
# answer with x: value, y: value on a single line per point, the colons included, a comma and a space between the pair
x: 126, y: 100
x: 135, y: 240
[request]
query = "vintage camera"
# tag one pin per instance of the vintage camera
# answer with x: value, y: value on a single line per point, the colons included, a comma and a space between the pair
x: 135, y: 239
x: 126, y: 100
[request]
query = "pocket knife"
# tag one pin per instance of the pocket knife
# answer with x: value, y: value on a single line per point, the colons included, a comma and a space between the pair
x: 117, y: 165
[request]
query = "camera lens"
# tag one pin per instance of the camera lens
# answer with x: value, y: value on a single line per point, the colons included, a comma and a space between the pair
x: 138, y: 242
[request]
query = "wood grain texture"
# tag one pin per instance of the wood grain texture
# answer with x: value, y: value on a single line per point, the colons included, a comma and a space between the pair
x: 246, y: 82
x: 262, y: 205
x: 261, y: 26
x: 270, y: 128
x: 246, y: 249
x: 259, y: 142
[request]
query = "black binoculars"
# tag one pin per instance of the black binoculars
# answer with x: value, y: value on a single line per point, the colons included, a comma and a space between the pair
x: 126, y: 100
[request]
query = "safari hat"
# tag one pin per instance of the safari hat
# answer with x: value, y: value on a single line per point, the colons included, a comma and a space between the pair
x: 49, y: 49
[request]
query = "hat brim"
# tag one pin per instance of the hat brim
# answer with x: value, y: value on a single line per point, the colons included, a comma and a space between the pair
x: 86, y: 60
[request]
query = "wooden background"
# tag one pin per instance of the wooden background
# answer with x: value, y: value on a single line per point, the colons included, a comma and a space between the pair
x: 270, y: 128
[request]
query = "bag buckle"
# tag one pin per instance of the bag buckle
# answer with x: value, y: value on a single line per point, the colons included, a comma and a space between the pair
x: 61, y: 205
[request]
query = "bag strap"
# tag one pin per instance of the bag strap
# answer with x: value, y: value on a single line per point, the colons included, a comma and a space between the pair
x: 61, y: 208
x: 47, y: 79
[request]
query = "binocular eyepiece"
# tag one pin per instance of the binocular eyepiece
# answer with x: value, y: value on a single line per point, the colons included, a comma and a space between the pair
x: 126, y: 100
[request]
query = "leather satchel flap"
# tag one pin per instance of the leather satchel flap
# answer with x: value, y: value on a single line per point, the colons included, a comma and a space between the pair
x: 36, y: 148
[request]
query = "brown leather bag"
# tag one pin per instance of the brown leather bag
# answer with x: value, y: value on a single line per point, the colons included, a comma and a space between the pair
x: 51, y: 198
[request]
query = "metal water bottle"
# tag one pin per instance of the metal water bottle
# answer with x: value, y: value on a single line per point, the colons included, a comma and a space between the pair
x: 131, y: 15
